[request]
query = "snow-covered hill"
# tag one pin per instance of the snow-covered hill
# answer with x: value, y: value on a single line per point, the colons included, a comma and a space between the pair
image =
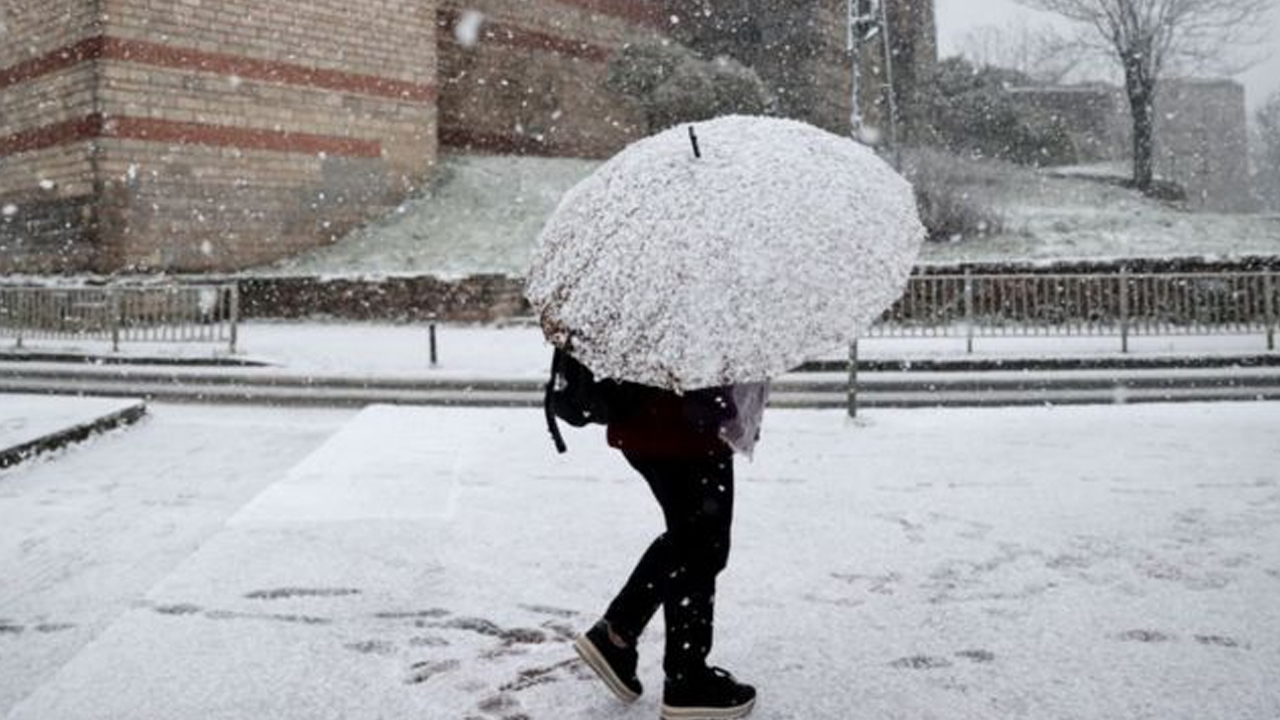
x: 483, y: 213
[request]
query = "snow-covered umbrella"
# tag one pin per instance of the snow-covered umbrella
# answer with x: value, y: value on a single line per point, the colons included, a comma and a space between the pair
x: 730, y: 256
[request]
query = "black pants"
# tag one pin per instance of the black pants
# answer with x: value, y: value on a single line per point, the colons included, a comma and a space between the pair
x: 679, y: 569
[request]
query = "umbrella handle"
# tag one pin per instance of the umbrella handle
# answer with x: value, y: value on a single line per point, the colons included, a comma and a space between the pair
x: 693, y: 138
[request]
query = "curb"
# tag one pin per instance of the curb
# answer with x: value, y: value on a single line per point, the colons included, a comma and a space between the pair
x: 874, y: 389
x: 1105, y: 362
x: 78, y: 433
x: 83, y: 359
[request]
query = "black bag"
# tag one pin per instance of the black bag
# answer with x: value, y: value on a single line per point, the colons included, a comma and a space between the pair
x: 574, y: 395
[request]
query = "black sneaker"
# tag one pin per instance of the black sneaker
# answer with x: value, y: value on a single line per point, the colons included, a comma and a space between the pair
x: 615, y: 665
x: 712, y: 694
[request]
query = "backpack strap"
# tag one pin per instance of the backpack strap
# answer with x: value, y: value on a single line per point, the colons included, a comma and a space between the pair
x: 553, y: 427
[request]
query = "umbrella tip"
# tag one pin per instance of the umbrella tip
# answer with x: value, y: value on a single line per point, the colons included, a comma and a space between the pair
x: 693, y: 139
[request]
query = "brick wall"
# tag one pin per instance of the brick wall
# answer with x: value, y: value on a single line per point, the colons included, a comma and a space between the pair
x: 209, y: 135
x: 46, y: 163
x: 533, y: 80
x: 223, y: 133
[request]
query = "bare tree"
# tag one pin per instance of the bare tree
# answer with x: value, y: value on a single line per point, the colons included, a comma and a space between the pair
x: 1148, y: 37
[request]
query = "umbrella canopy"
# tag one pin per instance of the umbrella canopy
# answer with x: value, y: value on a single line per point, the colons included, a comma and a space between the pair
x: 683, y: 272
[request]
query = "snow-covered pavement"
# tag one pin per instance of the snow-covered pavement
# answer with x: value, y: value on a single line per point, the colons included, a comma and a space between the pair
x: 85, y: 533
x: 1107, y: 561
x: 31, y: 424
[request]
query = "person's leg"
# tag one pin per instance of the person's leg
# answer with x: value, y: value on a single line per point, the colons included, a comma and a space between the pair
x: 635, y: 605
x: 609, y: 647
x: 698, y: 530
x: 679, y: 569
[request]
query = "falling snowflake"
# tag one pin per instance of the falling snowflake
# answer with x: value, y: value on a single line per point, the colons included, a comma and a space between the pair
x: 870, y: 135
x: 47, y: 184
x: 467, y: 31
x: 206, y: 248
x: 9, y: 210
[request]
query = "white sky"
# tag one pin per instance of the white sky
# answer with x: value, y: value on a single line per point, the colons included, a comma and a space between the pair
x: 957, y: 17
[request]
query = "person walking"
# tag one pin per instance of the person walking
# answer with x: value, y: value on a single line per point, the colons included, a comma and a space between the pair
x: 683, y: 446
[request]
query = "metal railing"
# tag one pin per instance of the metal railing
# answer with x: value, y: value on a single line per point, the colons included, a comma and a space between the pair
x: 1119, y: 304
x: 116, y: 314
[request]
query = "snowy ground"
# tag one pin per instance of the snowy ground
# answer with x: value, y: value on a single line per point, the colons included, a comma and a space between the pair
x: 27, y: 418
x: 1048, y: 217
x: 484, y: 213
x: 519, y: 352
x: 84, y: 533
x: 1095, y: 562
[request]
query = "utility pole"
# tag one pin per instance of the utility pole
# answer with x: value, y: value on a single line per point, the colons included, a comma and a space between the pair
x: 862, y: 28
x: 867, y: 20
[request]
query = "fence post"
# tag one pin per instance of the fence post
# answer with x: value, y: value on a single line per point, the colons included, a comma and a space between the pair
x: 431, y: 339
x: 234, y: 316
x: 1124, y: 309
x: 1269, y: 300
x: 853, y: 379
x: 968, y: 310
x: 22, y: 313
x: 114, y: 310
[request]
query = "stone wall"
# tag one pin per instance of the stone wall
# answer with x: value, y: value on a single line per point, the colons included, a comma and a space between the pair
x: 800, y: 49
x: 491, y: 298
x: 1201, y: 133
x: 483, y: 298
x: 1202, y: 143
x: 1096, y: 117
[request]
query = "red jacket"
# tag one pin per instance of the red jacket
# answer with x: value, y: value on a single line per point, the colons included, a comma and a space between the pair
x: 661, y: 423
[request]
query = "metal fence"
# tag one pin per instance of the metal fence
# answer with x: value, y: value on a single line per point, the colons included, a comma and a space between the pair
x: 116, y: 314
x: 1119, y: 304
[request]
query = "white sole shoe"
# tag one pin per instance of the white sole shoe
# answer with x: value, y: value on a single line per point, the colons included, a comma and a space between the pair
x: 594, y: 660
x: 700, y: 713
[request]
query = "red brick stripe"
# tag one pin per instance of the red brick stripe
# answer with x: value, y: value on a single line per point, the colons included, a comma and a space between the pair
x: 63, y: 133
x: 183, y: 133
x: 513, y: 36
x: 158, y: 55
x: 60, y: 59
x: 155, y: 54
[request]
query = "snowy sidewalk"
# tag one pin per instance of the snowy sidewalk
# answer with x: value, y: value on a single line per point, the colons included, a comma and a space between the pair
x: 33, y: 424
x: 1099, y: 562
